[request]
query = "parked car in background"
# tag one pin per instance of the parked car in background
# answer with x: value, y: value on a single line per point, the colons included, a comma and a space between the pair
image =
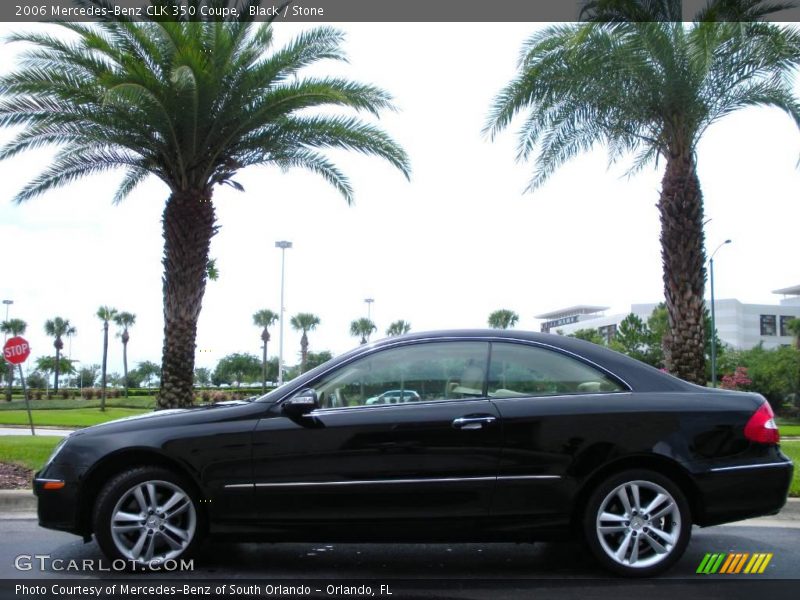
x: 511, y: 436
x: 394, y: 396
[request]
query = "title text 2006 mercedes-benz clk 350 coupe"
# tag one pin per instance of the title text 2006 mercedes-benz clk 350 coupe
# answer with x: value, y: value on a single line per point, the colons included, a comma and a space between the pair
x: 486, y: 436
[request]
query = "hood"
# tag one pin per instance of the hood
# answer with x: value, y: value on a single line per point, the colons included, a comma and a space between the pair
x: 153, y: 418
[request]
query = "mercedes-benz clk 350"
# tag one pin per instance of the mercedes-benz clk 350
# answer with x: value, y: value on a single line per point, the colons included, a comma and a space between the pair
x: 493, y: 436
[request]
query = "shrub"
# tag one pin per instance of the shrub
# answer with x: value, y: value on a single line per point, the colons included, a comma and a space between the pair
x: 205, y: 395
x: 38, y: 394
x: 738, y: 380
x: 88, y: 393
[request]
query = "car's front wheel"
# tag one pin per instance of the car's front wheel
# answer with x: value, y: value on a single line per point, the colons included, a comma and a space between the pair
x: 147, y: 515
x: 637, y: 523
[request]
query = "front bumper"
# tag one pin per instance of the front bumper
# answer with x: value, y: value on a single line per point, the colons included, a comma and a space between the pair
x: 57, y: 507
x: 736, y: 492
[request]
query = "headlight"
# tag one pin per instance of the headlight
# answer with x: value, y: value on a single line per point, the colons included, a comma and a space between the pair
x: 59, y: 446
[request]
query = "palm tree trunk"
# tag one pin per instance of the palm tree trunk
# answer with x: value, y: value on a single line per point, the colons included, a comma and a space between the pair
x: 683, y: 255
x: 57, y: 365
x: 125, y: 361
x: 105, y: 360
x: 265, y: 339
x: 188, y: 223
x: 303, y: 352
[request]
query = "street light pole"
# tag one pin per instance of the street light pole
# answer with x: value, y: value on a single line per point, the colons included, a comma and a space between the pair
x: 7, y: 303
x: 10, y: 373
x: 369, y: 302
x: 283, y: 245
x: 714, y: 319
x: 80, y: 374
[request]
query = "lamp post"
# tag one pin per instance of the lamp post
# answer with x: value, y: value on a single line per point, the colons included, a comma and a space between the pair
x: 369, y: 302
x: 10, y: 366
x: 713, y: 318
x: 283, y: 245
x: 7, y: 303
x: 80, y: 375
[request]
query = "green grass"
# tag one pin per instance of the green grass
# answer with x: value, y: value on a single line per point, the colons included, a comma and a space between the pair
x: 59, y: 404
x: 79, y: 417
x: 792, y: 450
x: 26, y: 451
x: 789, y: 430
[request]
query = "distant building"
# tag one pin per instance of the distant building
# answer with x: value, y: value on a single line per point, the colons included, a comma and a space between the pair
x: 739, y: 325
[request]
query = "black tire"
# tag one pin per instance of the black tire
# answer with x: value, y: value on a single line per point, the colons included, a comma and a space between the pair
x: 641, y: 554
x: 119, y: 494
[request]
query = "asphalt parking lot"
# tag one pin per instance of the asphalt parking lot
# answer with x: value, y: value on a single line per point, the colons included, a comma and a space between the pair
x: 491, y: 571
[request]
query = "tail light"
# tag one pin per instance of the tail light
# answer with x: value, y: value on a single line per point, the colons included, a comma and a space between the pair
x: 761, y: 427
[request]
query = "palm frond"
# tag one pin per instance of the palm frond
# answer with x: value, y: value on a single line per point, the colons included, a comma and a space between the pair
x: 641, y: 89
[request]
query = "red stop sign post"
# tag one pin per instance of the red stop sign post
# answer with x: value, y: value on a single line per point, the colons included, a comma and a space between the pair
x: 16, y: 351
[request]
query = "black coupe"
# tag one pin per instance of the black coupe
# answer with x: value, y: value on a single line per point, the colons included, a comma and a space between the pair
x: 491, y: 436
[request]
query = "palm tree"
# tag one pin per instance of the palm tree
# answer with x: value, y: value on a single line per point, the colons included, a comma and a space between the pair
x: 54, y: 364
x: 651, y: 90
x: 105, y: 314
x: 58, y: 328
x: 362, y: 327
x: 398, y: 328
x: 503, y: 319
x: 304, y: 322
x: 125, y: 320
x: 12, y: 327
x: 265, y: 319
x: 673, y: 10
x: 147, y: 369
x: 191, y: 103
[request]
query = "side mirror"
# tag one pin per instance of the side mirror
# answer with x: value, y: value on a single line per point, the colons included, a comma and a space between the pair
x: 301, y: 403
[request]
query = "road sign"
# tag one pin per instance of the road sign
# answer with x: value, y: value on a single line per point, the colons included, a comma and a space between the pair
x: 16, y: 350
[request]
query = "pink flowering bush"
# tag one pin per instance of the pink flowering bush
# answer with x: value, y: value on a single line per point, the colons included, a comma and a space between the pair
x: 738, y: 380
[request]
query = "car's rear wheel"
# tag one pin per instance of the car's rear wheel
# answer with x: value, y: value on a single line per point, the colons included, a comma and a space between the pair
x: 147, y: 515
x: 637, y: 523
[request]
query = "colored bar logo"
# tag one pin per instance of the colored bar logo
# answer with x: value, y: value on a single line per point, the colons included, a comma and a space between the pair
x: 734, y: 563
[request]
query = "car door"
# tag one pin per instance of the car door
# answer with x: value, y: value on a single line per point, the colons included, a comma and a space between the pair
x: 435, y: 456
x: 554, y: 406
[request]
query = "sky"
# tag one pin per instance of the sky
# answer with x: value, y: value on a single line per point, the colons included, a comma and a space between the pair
x: 460, y: 239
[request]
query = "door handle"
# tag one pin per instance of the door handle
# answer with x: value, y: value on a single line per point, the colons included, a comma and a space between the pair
x: 472, y: 422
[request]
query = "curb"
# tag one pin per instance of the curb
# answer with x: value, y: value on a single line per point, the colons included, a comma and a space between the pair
x: 13, y: 501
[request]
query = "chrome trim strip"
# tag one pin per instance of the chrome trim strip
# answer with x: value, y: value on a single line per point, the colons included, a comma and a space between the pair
x: 372, y: 482
x: 758, y: 466
x: 39, y: 480
x: 387, y: 481
x: 529, y: 477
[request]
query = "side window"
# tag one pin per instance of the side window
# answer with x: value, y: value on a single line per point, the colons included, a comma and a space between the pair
x: 517, y: 370
x: 415, y: 373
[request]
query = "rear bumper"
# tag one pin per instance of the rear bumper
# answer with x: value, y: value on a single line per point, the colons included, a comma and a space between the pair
x: 736, y: 492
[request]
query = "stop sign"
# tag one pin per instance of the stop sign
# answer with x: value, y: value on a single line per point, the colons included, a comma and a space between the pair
x: 16, y: 351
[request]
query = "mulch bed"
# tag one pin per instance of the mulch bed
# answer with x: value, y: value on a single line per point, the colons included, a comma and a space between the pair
x: 14, y: 477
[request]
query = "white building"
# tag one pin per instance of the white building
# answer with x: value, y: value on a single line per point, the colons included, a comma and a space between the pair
x: 739, y: 325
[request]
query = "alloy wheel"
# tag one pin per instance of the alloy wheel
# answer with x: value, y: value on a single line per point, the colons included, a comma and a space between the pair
x: 638, y: 524
x: 153, y: 521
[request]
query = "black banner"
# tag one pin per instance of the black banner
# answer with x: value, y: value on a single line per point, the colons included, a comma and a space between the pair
x: 329, y: 11
x: 223, y: 589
